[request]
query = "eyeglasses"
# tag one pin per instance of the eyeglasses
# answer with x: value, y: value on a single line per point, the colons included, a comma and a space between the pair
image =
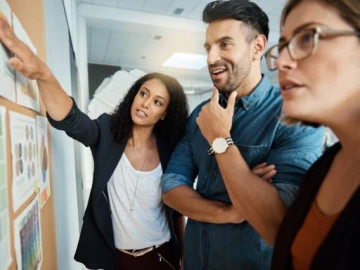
x: 303, y: 44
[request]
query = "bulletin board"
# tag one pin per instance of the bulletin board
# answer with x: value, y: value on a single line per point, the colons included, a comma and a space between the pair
x: 31, y: 16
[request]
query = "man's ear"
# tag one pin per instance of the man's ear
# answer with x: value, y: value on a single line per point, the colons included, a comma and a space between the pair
x: 259, y: 45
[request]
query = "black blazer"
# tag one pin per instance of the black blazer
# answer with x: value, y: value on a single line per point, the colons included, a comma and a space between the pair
x: 96, y: 247
x: 340, y: 249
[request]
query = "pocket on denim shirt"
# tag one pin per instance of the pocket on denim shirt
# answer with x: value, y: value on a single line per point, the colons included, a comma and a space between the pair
x: 253, y: 154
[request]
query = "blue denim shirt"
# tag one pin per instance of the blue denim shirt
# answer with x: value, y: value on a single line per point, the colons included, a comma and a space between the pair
x: 260, y: 136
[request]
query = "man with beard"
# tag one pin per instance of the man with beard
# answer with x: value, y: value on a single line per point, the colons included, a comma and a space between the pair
x: 234, y: 214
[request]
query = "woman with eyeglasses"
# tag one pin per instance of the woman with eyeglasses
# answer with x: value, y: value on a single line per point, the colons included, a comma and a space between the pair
x: 318, y: 59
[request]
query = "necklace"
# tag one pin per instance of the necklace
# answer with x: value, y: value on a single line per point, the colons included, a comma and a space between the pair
x: 132, y: 203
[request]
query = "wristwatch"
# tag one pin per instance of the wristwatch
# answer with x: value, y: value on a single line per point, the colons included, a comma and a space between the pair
x: 220, y: 145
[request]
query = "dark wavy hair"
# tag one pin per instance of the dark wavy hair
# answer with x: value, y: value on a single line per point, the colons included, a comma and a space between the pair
x: 173, y: 125
x: 241, y: 10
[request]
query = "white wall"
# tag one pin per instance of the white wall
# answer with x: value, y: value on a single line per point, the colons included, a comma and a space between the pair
x: 195, y: 100
x: 72, y: 17
x: 63, y: 159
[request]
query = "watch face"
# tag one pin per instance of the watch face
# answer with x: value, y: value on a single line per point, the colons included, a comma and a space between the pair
x: 219, y: 145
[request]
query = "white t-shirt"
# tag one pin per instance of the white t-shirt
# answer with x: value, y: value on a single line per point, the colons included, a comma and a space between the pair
x: 146, y: 225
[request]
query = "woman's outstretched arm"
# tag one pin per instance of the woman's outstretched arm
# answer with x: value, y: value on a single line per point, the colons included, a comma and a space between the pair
x: 55, y: 99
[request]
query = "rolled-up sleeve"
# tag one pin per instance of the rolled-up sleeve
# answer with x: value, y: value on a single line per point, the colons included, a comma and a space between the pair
x: 294, y: 150
x: 181, y: 169
x: 173, y: 180
x: 287, y: 193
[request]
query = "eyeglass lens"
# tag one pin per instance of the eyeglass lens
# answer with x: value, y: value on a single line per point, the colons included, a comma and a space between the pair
x: 299, y: 46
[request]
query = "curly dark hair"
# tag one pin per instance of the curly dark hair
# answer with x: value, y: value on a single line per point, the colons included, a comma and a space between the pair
x: 171, y: 128
x: 241, y: 10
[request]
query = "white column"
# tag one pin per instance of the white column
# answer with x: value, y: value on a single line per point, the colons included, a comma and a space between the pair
x: 63, y: 159
x: 82, y: 63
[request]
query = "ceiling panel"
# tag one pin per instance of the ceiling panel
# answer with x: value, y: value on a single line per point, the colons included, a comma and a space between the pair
x: 117, y: 44
x: 118, y: 41
x: 120, y: 34
x: 183, y: 6
x: 100, y: 32
x: 97, y: 56
x: 131, y: 4
x: 151, y: 46
x: 157, y: 6
x: 136, y: 41
x: 112, y: 59
x: 109, y: 3
x: 98, y: 42
x: 114, y: 52
x: 196, y: 13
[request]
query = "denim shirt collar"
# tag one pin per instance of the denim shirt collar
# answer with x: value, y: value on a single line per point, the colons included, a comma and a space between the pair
x: 247, y: 101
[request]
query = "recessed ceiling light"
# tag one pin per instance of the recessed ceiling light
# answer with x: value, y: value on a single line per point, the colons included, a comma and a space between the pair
x: 186, y: 61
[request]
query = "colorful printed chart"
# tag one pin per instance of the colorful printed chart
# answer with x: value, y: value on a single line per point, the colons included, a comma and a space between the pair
x: 42, y: 142
x: 25, y: 165
x: 27, y: 230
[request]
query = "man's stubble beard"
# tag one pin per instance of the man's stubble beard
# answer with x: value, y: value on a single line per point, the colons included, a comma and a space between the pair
x: 235, y: 80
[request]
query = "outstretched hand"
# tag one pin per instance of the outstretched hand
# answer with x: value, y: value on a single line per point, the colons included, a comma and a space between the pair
x: 24, y: 61
x: 214, y: 121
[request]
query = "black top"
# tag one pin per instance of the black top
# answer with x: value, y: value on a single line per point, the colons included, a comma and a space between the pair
x: 340, y: 248
x: 96, y: 247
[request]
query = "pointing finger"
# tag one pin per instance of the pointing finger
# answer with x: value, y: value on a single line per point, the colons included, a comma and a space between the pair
x: 215, y: 96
